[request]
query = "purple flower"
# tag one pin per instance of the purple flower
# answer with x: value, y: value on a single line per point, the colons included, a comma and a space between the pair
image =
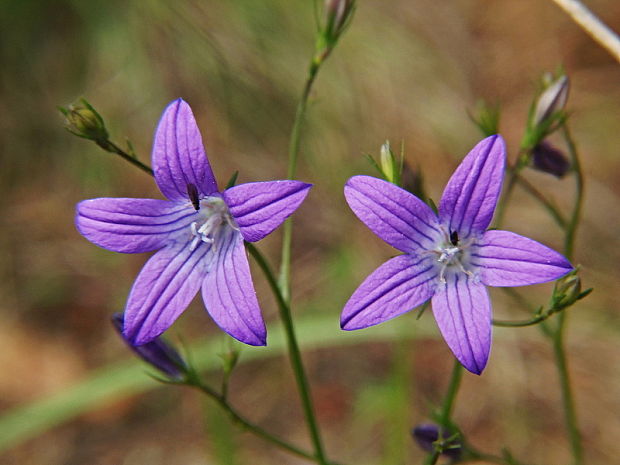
x: 157, y: 353
x: 449, y: 257
x: 199, y: 232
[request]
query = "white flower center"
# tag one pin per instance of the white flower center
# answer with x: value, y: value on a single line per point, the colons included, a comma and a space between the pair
x: 453, y: 255
x: 213, y: 218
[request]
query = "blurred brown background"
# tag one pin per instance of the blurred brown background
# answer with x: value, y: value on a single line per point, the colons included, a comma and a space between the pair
x: 405, y: 71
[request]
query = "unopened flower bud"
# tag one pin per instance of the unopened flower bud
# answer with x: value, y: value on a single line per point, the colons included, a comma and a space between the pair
x: 336, y: 14
x: 552, y: 99
x: 427, y: 435
x: 548, y: 159
x: 84, y: 121
x: 567, y: 290
x: 157, y: 353
x: 389, y: 166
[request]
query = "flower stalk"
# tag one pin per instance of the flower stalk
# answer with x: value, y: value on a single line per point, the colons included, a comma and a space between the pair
x: 557, y: 334
x: 445, y: 413
x: 194, y: 381
x: 338, y: 14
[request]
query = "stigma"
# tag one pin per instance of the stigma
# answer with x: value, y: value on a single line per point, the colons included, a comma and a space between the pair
x: 213, y: 219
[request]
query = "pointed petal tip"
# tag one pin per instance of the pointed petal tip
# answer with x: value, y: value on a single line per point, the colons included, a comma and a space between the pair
x: 176, y: 102
x: 474, y: 366
x: 258, y: 208
x: 255, y: 340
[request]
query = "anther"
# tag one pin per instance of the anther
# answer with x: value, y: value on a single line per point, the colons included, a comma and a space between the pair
x: 454, y: 238
x: 192, y: 193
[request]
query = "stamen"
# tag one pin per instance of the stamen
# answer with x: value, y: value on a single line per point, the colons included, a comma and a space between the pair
x: 451, y: 253
x: 213, y: 219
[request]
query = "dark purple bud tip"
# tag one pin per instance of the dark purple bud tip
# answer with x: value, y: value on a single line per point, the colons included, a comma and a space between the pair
x: 429, y: 436
x: 550, y: 160
x: 157, y: 353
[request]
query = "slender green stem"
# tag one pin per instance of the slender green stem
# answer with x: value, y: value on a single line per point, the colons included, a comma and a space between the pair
x: 251, y: 427
x: 294, y: 354
x: 570, y: 413
x: 446, y: 408
x: 111, y: 147
x: 557, y: 335
x: 571, y: 229
x: 284, y: 285
x: 293, y: 154
x: 519, y: 324
x: 546, y: 203
x: 453, y: 388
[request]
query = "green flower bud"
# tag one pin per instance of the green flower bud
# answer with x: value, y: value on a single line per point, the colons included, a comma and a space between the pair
x: 389, y: 166
x: 84, y: 121
x: 567, y: 290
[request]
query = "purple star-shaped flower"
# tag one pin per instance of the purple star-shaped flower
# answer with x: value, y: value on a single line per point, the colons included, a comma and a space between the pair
x: 199, y: 232
x: 449, y: 257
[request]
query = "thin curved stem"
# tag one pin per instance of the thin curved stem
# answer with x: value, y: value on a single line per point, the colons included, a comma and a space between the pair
x: 519, y: 324
x: 249, y: 426
x: 546, y: 203
x: 111, y: 147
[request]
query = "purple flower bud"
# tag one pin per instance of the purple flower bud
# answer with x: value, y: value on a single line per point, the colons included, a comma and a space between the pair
x: 427, y: 434
x: 551, y: 100
x: 550, y: 160
x: 157, y: 353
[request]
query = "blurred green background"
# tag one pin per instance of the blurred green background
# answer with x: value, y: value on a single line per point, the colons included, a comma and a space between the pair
x: 407, y: 71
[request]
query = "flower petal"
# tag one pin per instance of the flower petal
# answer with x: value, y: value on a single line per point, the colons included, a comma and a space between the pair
x: 179, y: 158
x: 260, y: 207
x: 395, y: 215
x: 163, y: 289
x: 463, y: 313
x: 229, y: 294
x: 131, y: 225
x: 470, y: 197
x: 399, y: 285
x: 508, y: 259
